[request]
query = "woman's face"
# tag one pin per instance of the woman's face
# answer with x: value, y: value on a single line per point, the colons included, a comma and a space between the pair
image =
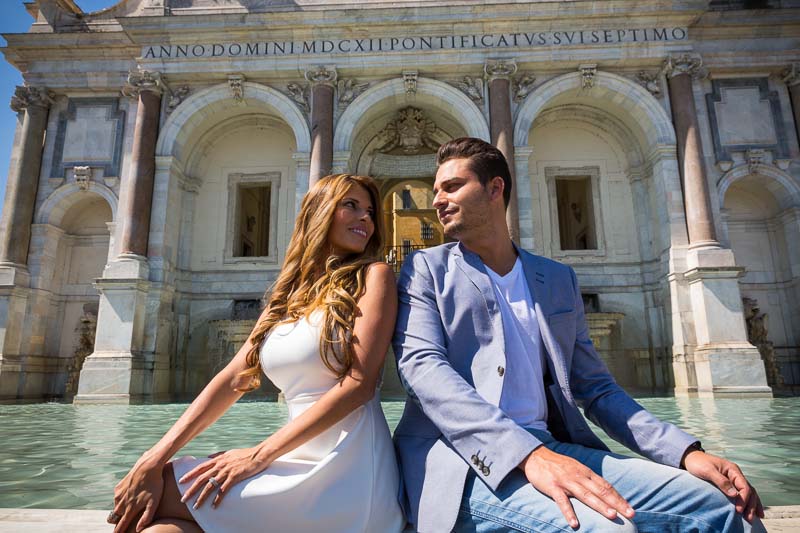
x: 352, y: 225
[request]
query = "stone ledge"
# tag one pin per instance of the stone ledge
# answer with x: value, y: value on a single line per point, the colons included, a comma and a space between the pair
x: 783, y: 519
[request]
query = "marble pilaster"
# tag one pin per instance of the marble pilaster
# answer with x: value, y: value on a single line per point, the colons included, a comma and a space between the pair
x: 323, y: 82
x: 499, y: 73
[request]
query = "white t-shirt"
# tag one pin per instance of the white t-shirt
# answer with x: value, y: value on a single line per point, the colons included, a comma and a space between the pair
x: 522, y: 398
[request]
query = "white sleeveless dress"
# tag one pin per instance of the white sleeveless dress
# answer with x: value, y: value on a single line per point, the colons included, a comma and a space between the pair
x: 344, y: 480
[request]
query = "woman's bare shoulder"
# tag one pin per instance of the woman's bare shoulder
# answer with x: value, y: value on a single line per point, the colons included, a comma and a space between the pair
x: 379, y: 273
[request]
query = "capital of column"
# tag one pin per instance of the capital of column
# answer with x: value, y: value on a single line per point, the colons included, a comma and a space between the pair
x: 142, y: 80
x: 322, y: 75
x: 499, y: 69
x: 791, y: 75
x: 688, y: 63
x: 27, y: 96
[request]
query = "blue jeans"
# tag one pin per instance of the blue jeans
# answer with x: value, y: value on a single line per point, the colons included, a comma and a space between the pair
x: 665, y: 499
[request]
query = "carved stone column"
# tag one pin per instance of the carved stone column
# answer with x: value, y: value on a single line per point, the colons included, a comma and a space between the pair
x: 498, y: 73
x: 23, y: 176
x: 123, y: 368
x: 719, y: 360
x: 21, y: 374
x: 697, y: 200
x: 792, y: 78
x: 136, y: 195
x: 323, y: 82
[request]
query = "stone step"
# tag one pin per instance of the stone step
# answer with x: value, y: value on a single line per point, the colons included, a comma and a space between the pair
x: 784, y: 519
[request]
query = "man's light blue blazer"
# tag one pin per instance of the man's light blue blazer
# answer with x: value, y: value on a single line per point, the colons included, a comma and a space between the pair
x: 450, y: 351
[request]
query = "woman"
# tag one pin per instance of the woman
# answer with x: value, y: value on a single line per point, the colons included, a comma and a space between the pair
x: 321, y: 339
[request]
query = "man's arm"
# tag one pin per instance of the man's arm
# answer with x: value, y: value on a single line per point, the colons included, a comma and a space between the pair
x: 469, y: 423
x: 606, y: 404
x: 611, y: 408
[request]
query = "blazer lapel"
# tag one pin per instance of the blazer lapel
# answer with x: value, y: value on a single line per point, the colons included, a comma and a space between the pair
x: 537, y: 282
x: 473, y: 268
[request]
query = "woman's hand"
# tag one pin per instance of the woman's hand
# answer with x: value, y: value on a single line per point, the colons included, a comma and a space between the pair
x: 226, y: 468
x: 139, y: 492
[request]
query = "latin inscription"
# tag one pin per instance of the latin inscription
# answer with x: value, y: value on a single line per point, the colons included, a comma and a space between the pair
x: 419, y: 43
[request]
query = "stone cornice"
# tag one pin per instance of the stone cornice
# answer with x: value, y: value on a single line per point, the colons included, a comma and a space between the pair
x: 340, y: 18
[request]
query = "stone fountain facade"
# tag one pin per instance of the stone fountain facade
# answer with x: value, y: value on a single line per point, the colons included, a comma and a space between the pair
x: 160, y: 158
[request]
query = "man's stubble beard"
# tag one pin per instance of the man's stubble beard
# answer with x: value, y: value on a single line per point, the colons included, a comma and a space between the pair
x: 458, y: 229
x: 453, y: 230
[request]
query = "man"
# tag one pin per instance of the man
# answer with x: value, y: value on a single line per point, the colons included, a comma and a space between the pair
x: 493, y: 349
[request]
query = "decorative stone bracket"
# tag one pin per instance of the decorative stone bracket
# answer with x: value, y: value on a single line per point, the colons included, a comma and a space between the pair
x: 236, y: 83
x: 348, y: 90
x: 176, y: 97
x: 650, y: 81
x: 83, y: 175
x: 522, y: 86
x: 299, y: 94
x: 410, y: 81
x: 472, y: 87
x: 588, y: 72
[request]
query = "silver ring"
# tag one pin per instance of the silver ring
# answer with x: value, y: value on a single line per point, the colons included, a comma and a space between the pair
x: 113, y: 518
x: 214, y: 482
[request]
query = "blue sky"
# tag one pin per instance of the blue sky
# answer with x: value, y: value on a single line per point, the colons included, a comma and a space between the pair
x: 15, y: 19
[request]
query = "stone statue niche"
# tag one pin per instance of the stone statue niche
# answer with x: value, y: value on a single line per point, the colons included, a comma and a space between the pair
x: 86, y: 328
x: 757, y: 329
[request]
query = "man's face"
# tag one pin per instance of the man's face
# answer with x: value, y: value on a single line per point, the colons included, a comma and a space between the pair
x: 461, y: 202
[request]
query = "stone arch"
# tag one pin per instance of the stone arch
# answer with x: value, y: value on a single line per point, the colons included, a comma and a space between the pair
x: 600, y: 120
x: 194, y: 110
x: 439, y: 94
x: 760, y: 208
x: 637, y: 116
x: 391, y: 186
x: 645, y: 110
x: 62, y: 199
x: 194, y: 158
x: 782, y: 186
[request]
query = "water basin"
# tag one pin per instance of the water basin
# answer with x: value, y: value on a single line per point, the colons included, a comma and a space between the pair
x: 62, y: 456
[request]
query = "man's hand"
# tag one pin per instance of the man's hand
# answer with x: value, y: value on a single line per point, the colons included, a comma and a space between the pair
x: 728, y: 478
x: 560, y: 477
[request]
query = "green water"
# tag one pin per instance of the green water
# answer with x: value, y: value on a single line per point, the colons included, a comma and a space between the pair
x: 70, y: 457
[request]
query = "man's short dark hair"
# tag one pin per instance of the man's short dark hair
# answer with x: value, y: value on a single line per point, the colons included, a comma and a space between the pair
x: 485, y: 160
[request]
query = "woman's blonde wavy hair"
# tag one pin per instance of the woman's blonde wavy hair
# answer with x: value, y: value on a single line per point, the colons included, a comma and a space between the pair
x: 300, y: 289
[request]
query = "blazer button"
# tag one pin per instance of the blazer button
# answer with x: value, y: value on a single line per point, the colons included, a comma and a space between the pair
x: 501, y: 371
x: 475, y: 460
x: 485, y: 471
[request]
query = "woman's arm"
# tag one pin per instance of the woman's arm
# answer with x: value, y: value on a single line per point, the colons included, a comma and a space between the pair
x: 142, y: 487
x: 372, y: 330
